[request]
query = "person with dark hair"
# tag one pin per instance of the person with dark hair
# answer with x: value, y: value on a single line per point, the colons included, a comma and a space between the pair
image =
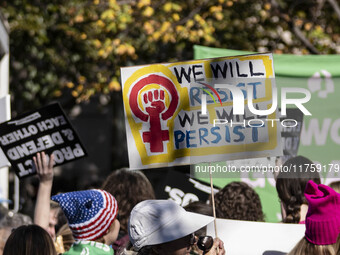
x: 129, y: 187
x: 9, y: 221
x: 162, y: 227
x: 322, y: 234
x: 201, y: 208
x: 29, y: 240
x: 290, y: 186
x: 238, y: 201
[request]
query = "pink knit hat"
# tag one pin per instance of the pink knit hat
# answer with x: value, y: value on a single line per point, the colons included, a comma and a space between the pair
x: 323, y: 216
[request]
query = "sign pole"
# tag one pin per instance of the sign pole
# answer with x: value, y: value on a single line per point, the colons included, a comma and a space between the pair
x: 213, y: 203
x: 4, y: 112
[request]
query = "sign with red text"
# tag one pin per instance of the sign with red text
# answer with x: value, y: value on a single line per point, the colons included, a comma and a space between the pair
x: 182, y: 113
x: 46, y: 129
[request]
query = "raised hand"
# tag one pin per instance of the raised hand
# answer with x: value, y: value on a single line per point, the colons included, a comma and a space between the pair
x: 44, y: 166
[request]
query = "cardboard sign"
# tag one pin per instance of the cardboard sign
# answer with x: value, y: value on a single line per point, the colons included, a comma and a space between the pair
x: 291, y: 135
x: 46, y: 129
x: 248, y: 237
x: 181, y: 113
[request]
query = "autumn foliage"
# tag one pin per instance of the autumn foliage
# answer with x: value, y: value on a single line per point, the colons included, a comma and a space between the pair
x: 75, y: 48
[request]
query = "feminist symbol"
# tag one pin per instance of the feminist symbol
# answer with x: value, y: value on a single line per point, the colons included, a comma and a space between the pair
x: 155, y: 108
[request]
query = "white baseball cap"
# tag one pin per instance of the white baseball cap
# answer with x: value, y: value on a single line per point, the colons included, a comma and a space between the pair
x: 159, y: 221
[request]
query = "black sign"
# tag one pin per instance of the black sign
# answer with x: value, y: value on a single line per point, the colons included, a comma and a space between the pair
x: 291, y: 135
x: 46, y: 129
x: 182, y: 189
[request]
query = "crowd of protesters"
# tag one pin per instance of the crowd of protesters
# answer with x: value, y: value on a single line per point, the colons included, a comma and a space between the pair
x: 124, y: 217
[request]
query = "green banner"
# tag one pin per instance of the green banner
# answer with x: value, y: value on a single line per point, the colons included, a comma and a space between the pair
x: 320, y: 135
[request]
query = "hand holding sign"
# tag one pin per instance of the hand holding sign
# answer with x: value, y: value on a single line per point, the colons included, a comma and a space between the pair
x: 217, y: 249
x: 44, y: 167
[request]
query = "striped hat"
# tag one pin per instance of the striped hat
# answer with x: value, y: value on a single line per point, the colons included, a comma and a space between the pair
x: 89, y: 213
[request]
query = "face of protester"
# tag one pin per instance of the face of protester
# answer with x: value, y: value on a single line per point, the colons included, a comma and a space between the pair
x: 52, y: 222
x: 180, y: 246
x: 112, y: 233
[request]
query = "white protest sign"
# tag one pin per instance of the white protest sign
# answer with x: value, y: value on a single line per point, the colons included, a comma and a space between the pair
x: 248, y: 237
x: 182, y: 113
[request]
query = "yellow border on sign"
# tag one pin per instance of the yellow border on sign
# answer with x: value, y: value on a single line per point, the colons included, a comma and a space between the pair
x: 137, y: 127
x: 171, y: 154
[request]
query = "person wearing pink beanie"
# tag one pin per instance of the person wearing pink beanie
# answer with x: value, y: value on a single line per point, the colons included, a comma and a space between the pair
x: 322, y: 222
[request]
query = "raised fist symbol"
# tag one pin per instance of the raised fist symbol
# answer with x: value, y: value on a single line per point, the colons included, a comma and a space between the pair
x: 154, y: 105
x: 154, y: 101
x: 155, y: 111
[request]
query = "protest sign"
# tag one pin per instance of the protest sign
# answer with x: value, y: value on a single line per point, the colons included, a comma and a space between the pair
x: 248, y: 237
x: 182, y: 189
x: 46, y: 129
x: 184, y: 113
x: 291, y: 135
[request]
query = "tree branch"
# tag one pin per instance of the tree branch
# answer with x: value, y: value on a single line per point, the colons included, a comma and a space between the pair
x: 303, y: 39
x: 336, y: 7
x: 297, y: 31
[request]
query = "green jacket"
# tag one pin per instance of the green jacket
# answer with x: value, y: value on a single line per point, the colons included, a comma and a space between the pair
x: 89, y: 248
